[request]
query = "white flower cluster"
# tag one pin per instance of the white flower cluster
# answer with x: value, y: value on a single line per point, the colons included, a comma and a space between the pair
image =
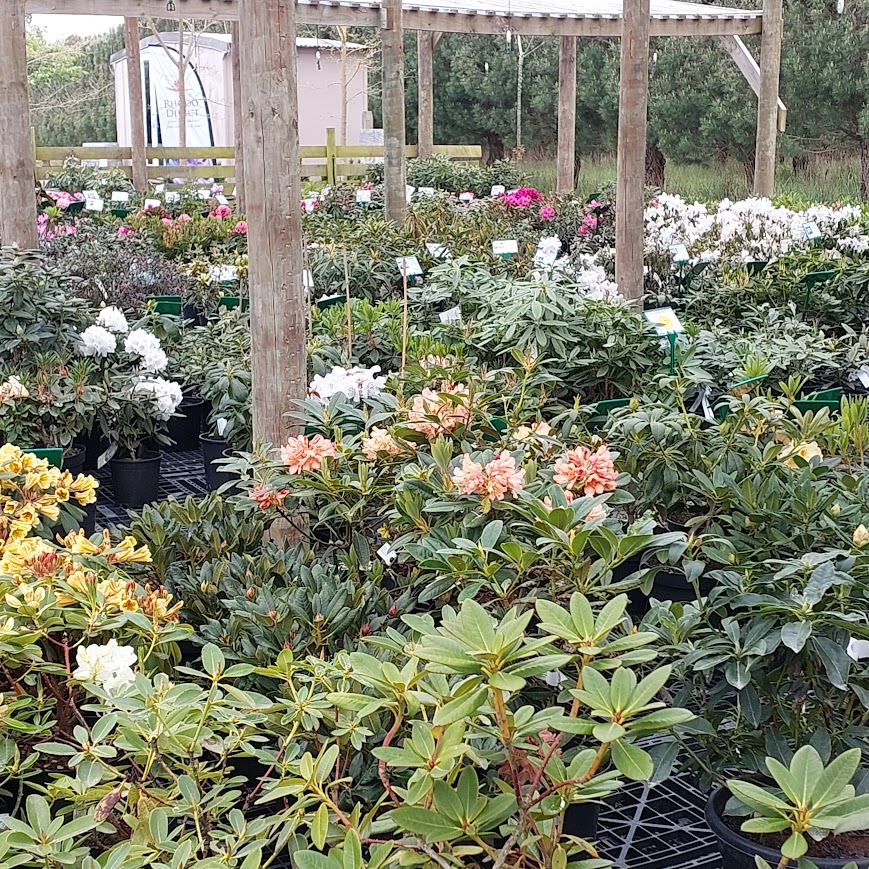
x: 97, y: 341
x: 593, y: 280
x: 165, y: 395
x: 113, y: 319
x: 356, y: 383
x: 142, y: 343
x: 110, y: 666
x: 746, y: 230
x: 13, y: 388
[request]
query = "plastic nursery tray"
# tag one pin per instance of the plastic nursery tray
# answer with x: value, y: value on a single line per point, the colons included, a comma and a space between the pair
x: 659, y: 827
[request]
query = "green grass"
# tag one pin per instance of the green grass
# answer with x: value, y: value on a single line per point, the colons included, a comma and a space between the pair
x: 826, y: 180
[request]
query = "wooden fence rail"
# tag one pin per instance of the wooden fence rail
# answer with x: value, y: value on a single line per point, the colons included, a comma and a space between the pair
x: 328, y: 162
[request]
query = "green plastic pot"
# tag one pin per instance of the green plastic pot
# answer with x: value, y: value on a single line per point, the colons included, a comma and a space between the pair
x: 166, y: 304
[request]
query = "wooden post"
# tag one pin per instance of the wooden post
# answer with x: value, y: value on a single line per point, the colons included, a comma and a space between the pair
x: 631, y: 161
x: 331, y: 159
x: 238, y: 121
x: 137, y: 104
x: 767, y: 104
x: 566, y: 177
x: 267, y: 43
x: 394, y: 160
x: 17, y: 164
x: 425, y: 81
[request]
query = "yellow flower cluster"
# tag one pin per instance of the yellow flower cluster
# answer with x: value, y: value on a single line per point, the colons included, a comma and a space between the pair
x: 31, y: 489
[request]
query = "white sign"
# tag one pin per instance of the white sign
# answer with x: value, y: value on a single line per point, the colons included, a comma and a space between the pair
x: 307, y: 279
x: 466, y: 197
x: 453, y: 315
x: 363, y: 196
x: 153, y: 203
x: 426, y: 191
x: 409, y: 190
x: 221, y: 274
x: 173, y: 196
x: 498, y: 190
x: 679, y: 253
x: 547, y: 252
x: 90, y: 194
x: 408, y: 266
x: 159, y: 188
x: 120, y: 196
x: 438, y: 251
x: 664, y: 320
x: 202, y: 193
x: 221, y: 199
x: 387, y: 554
x: 505, y: 247
x: 95, y: 204
x: 811, y: 231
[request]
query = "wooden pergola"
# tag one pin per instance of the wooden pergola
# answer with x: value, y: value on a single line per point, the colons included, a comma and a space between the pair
x: 267, y: 115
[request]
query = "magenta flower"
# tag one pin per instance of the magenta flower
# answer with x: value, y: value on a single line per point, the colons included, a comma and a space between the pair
x: 547, y: 212
x: 184, y: 218
x: 522, y: 197
x: 240, y: 228
x: 221, y: 211
x: 167, y: 221
x: 124, y: 232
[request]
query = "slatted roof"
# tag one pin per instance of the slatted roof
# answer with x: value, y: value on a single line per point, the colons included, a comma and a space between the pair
x: 555, y: 17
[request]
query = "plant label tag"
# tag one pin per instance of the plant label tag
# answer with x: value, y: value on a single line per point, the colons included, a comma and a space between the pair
x: 90, y: 194
x: 426, y: 191
x: 120, y: 196
x: 107, y: 456
x: 153, y: 203
x: 307, y: 280
x: 811, y: 231
x: 325, y: 192
x: 679, y: 253
x: 547, y: 252
x: 466, y: 197
x: 159, y: 188
x: 409, y: 190
x: 438, y: 251
x: 222, y: 274
x: 363, y: 196
x: 408, y: 266
x: 221, y: 199
x: 453, y: 315
x: 554, y: 678
x: 387, y: 554
x: 173, y: 196
x: 505, y: 247
x: 95, y: 204
x: 862, y: 374
x: 498, y: 190
x: 665, y: 321
x: 203, y: 194
x: 222, y: 423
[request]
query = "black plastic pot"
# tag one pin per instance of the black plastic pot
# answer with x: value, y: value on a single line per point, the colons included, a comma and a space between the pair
x: 74, y: 459
x: 136, y: 482
x: 580, y: 819
x: 213, y: 449
x: 738, y: 852
x: 184, y: 429
x: 95, y: 445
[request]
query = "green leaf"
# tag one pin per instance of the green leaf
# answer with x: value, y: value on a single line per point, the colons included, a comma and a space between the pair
x: 805, y: 768
x: 833, y: 779
x: 631, y: 761
x: 460, y: 707
x: 795, y: 634
x: 756, y: 797
x: 765, y: 825
x: 314, y: 860
x: 608, y: 732
x: 320, y: 826
x: 213, y: 660
x: 432, y: 826
x: 795, y: 846
x: 352, y: 851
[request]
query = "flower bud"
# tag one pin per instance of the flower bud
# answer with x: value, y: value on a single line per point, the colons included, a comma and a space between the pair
x: 861, y: 536
x: 836, y: 509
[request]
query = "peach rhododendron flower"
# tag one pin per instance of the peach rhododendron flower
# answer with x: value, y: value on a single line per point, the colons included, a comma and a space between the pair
x: 266, y: 497
x: 592, y: 472
x: 433, y: 415
x: 380, y: 441
x: 495, y: 481
x: 305, y: 454
x: 538, y: 429
x: 240, y: 228
x: 806, y: 451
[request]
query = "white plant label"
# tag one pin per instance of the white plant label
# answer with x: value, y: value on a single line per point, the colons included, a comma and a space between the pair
x: 453, y: 315
x: 95, y: 204
x: 173, y: 196
x: 426, y: 191
x: 408, y: 266
x: 466, y: 197
x: 120, y: 196
x: 505, y: 247
x: 554, y: 678
x: 498, y: 190
x: 222, y: 423
x: 387, y: 554
x: 159, y: 188
x: 219, y: 274
x: 90, y: 194
x: 679, y: 253
x: 153, y: 203
x: 438, y: 251
x: 409, y: 191
x: 202, y: 193
x: 811, y: 231
x: 221, y: 199
x: 363, y: 196
x: 307, y: 279
x: 547, y: 252
x: 664, y: 320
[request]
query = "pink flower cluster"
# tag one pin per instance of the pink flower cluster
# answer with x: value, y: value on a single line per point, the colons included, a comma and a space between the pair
x: 495, y: 481
x: 266, y: 498
x: 221, y: 212
x: 592, y: 472
x: 305, y: 454
x: 63, y: 199
x: 125, y: 231
x: 46, y: 230
x: 380, y: 442
x: 589, y: 223
x: 184, y: 218
x: 240, y: 228
x: 521, y: 197
x: 547, y: 212
x: 433, y: 415
x: 596, y: 512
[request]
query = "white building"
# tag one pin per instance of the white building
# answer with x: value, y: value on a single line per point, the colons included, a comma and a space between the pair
x: 209, y: 96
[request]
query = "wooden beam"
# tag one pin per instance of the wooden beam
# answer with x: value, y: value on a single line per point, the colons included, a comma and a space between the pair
x: 267, y: 30
x: 394, y: 165
x: 17, y: 162
x: 747, y: 65
x: 425, y: 92
x: 237, y: 120
x: 631, y: 160
x: 566, y: 174
x: 137, y: 104
x: 368, y: 15
x: 767, y: 103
